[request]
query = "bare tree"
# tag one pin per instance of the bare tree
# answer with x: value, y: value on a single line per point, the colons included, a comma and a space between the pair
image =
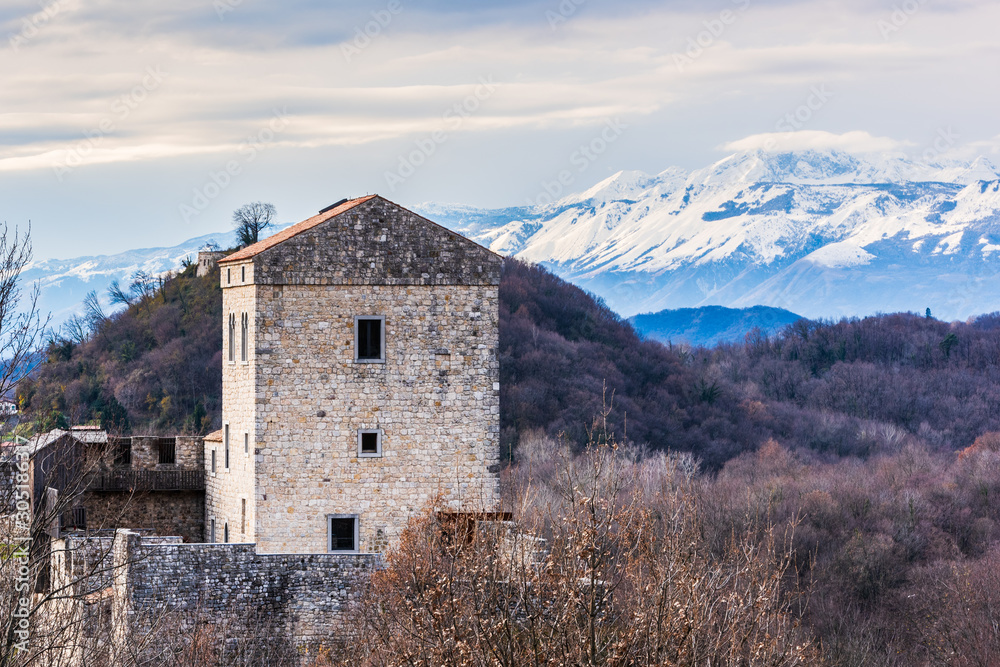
x: 21, y: 324
x: 251, y: 219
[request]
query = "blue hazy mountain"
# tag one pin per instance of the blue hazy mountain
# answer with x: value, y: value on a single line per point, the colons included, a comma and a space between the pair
x: 709, y: 325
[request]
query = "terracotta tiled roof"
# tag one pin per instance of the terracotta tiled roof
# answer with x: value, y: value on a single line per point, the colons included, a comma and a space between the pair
x: 214, y: 436
x: 294, y: 230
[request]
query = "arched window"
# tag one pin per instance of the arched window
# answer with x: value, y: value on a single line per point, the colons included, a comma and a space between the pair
x: 232, y: 337
x: 244, y: 333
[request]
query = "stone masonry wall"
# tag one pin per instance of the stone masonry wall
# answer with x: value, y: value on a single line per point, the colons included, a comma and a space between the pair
x: 436, y: 399
x: 179, y: 513
x: 304, y: 596
x: 231, y: 489
x: 188, y: 452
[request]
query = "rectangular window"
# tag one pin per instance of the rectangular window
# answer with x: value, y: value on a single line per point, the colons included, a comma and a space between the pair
x: 213, y: 461
x: 243, y: 274
x: 369, y: 339
x: 232, y: 337
x: 211, y: 532
x: 369, y: 442
x: 226, y: 456
x: 244, y: 334
x: 167, y: 450
x: 225, y: 533
x: 246, y: 443
x: 343, y: 532
x: 122, y: 448
x: 229, y: 276
x: 243, y: 516
x: 225, y: 444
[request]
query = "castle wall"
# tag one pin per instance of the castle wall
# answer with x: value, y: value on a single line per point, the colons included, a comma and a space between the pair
x: 300, y: 597
x: 179, y: 513
x: 436, y: 399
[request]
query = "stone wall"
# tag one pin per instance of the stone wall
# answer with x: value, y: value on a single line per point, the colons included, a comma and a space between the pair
x: 180, y: 513
x: 301, y: 597
x: 188, y: 453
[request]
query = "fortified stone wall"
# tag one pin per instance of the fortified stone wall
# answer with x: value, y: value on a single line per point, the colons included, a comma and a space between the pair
x: 179, y: 513
x: 302, y: 597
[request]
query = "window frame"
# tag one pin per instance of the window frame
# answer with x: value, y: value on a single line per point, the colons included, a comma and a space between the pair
x: 212, y: 469
x: 378, y: 443
x: 329, y: 533
x: 225, y: 446
x: 211, y: 535
x: 246, y: 443
x: 370, y: 360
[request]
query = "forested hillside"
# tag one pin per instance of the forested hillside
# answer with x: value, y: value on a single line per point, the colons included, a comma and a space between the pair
x: 855, y: 387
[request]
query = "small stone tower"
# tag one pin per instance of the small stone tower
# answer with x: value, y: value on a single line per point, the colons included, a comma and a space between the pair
x: 360, y: 382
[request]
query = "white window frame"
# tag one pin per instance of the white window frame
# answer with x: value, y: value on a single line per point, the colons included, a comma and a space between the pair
x: 378, y: 445
x: 380, y: 360
x: 329, y: 533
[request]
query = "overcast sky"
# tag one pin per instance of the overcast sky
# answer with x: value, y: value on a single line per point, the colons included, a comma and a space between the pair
x: 131, y: 123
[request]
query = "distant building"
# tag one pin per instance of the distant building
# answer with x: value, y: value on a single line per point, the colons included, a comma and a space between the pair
x: 208, y: 261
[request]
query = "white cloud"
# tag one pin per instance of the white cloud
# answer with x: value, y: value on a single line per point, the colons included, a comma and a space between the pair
x: 851, y: 142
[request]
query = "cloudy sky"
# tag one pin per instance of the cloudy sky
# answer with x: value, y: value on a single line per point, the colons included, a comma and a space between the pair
x: 131, y: 123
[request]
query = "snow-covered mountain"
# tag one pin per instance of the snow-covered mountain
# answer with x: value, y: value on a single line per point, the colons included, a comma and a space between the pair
x: 65, y: 282
x: 823, y: 234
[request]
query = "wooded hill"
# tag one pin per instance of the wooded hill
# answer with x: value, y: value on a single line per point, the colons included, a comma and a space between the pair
x: 855, y: 387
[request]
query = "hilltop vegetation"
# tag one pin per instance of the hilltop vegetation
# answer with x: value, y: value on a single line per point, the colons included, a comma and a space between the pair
x: 851, y: 388
x: 154, y: 367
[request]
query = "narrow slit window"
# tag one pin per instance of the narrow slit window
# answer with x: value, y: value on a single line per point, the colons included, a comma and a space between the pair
x: 369, y: 339
x: 229, y: 276
x: 243, y: 516
x: 244, y: 336
x: 211, y: 532
x: 243, y: 274
x: 225, y: 533
x: 232, y: 337
x: 343, y: 532
x: 213, y: 460
x: 246, y: 443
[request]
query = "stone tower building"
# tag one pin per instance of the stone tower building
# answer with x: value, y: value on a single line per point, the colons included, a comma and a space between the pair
x: 360, y: 382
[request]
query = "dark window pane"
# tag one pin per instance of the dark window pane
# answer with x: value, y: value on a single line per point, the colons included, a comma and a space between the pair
x: 369, y: 443
x: 342, y: 535
x: 369, y: 339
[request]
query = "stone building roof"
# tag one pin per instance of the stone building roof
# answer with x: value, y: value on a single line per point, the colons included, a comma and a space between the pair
x: 285, y: 234
x: 214, y: 436
x: 367, y: 241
